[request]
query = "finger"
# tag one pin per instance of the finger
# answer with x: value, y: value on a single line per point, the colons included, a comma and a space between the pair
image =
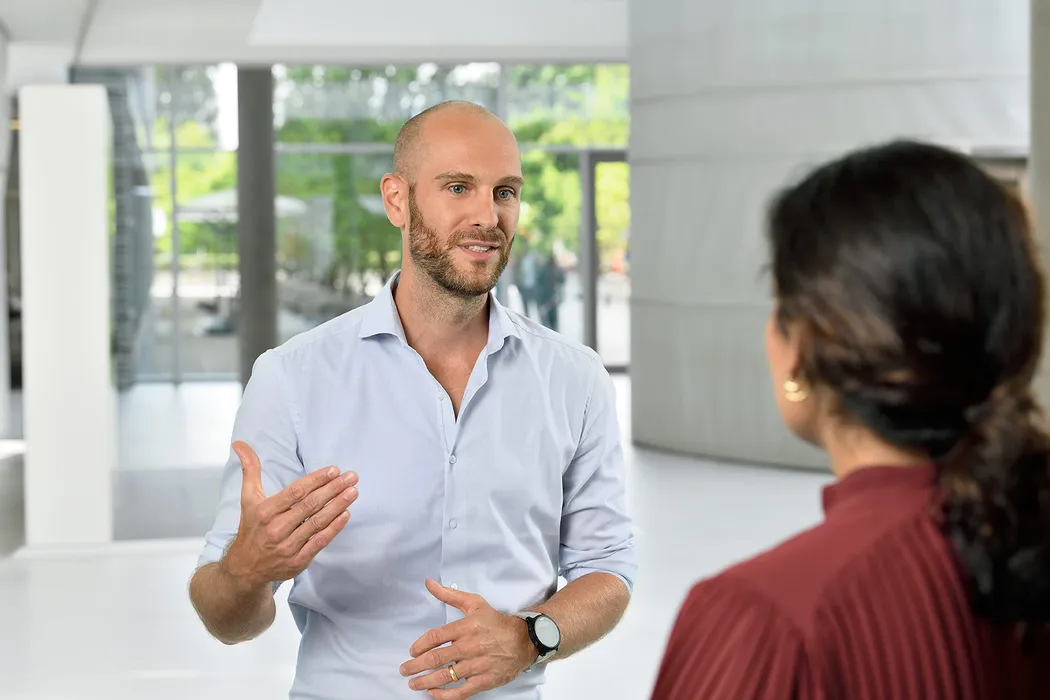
x: 319, y: 521
x: 251, y: 473
x: 321, y: 540
x: 471, y: 687
x: 467, y: 602
x: 288, y: 520
x: 439, y: 636
x: 441, y: 656
x: 282, y: 501
x: 442, y: 676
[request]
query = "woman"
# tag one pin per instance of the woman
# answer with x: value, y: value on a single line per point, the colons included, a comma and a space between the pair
x: 907, y: 330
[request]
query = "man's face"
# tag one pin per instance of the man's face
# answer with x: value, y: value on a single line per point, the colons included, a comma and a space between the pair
x: 464, y: 206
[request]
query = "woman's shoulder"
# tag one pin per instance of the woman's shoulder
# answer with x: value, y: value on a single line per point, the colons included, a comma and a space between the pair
x: 722, y: 634
x: 804, y: 574
x: 777, y: 609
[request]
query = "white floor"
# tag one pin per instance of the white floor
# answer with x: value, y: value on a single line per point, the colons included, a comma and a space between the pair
x: 116, y: 623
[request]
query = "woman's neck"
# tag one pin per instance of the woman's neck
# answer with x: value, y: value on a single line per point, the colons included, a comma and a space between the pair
x: 853, y: 449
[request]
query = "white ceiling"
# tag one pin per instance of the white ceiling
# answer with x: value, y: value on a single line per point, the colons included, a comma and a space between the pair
x: 43, y: 21
x: 132, y: 32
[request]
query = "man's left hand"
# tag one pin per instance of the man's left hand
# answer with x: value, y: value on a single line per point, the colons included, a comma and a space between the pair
x: 487, y: 649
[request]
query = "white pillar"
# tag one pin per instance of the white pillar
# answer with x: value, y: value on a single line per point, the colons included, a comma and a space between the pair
x: 5, y: 150
x: 70, y: 416
x: 729, y: 101
x: 1038, y: 176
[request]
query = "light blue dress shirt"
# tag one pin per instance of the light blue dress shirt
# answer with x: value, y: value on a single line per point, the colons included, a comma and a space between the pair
x: 526, y: 485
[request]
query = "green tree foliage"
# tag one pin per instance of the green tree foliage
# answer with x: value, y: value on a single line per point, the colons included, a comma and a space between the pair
x: 197, y: 173
x: 553, y: 110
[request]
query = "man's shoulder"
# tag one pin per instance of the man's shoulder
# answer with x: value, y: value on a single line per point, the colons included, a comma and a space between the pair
x: 560, y: 349
x: 338, y: 333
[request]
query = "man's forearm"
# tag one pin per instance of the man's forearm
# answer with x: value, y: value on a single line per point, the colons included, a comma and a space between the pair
x: 230, y: 611
x: 586, y: 610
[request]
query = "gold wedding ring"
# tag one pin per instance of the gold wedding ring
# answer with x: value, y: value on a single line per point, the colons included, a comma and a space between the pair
x: 452, y: 673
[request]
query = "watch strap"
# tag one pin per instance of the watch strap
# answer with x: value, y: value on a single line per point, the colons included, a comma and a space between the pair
x: 529, y: 616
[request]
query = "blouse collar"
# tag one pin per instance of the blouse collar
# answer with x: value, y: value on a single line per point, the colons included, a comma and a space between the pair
x: 883, y: 481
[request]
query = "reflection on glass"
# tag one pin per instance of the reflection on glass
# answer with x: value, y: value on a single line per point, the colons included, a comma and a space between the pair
x: 613, y: 211
x: 541, y: 280
x: 194, y: 312
x: 335, y: 246
x: 336, y: 104
x: 578, y: 105
x: 203, y: 101
x: 155, y: 355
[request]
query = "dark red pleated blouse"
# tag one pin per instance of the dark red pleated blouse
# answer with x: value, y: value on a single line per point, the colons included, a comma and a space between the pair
x: 869, y: 605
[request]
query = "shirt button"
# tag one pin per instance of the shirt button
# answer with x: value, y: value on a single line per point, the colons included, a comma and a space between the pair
x: 452, y: 459
x: 453, y: 523
x: 454, y: 586
x: 441, y: 397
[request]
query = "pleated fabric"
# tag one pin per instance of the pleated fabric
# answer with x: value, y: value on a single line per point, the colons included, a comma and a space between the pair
x: 869, y: 605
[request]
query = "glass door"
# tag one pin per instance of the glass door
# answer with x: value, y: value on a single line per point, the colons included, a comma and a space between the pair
x: 612, y: 209
x: 605, y: 225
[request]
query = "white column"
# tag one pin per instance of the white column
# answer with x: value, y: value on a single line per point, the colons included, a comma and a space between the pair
x: 5, y: 150
x: 70, y: 417
x: 1038, y: 176
x: 729, y: 102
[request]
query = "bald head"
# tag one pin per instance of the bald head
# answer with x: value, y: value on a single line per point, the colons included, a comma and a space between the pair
x: 412, y: 138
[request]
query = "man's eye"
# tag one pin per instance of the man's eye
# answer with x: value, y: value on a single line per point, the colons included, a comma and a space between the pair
x: 507, y: 194
x: 458, y: 189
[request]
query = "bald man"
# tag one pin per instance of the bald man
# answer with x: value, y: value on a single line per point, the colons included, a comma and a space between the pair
x: 485, y: 447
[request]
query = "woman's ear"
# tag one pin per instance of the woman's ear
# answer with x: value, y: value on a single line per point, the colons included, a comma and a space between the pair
x: 793, y: 352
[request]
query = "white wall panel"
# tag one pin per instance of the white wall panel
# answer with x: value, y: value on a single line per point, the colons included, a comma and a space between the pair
x: 5, y: 150
x: 1039, y: 160
x: 730, y: 101
x: 812, y: 121
x: 69, y: 403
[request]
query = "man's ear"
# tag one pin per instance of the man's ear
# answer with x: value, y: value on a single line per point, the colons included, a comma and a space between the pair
x: 395, y: 199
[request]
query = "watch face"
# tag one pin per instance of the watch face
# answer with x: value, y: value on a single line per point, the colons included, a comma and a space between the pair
x: 547, y: 632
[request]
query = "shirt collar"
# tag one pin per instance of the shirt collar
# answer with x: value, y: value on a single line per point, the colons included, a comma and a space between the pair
x: 381, y: 318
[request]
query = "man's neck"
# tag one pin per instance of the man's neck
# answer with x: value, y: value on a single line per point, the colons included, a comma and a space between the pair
x: 437, y: 322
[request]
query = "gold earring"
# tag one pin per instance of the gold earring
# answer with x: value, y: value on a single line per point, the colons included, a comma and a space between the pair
x: 794, y: 391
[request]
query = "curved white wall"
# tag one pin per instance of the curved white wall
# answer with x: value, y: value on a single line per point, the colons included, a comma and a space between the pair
x: 731, y: 100
x: 1038, y: 176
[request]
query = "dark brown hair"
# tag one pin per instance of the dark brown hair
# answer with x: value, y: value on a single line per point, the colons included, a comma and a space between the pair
x: 912, y: 276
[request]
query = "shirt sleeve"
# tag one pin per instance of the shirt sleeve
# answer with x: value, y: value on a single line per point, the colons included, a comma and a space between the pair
x: 596, y: 531
x: 730, y: 643
x: 266, y: 420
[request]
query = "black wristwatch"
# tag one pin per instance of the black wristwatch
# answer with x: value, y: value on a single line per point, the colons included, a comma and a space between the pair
x: 543, y: 632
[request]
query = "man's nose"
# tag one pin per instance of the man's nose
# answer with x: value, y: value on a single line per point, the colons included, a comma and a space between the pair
x: 485, y: 214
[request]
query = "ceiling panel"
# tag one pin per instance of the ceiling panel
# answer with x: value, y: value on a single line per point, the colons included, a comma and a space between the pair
x: 130, y: 32
x: 597, y: 23
x: 43, y: 21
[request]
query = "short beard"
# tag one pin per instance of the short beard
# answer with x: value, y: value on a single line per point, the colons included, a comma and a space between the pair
x: 435, y: 258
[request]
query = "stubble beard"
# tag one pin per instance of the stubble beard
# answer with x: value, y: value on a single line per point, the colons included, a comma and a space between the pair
x: 434, y: 257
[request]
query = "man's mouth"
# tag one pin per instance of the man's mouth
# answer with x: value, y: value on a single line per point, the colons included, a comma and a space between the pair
x: 479, y: 250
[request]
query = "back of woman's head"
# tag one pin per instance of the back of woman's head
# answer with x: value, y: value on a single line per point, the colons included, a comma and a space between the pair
x: 911, y: 278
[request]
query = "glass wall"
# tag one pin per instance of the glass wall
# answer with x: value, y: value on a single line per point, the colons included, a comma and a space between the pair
x: 612, y: 208
x: 335, y: 127
x: 189, y: 332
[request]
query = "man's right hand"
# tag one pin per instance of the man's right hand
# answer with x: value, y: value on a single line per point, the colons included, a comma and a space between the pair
x: 279, y: 536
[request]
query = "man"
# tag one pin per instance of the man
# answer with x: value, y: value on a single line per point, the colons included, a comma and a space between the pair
x: 486, y: 446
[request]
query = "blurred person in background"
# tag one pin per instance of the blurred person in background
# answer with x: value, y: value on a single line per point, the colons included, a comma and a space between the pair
x: 907, y: 329
x: 486, y: 447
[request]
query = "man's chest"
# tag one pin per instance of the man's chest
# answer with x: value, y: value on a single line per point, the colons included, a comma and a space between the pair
x: 418, y: 461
